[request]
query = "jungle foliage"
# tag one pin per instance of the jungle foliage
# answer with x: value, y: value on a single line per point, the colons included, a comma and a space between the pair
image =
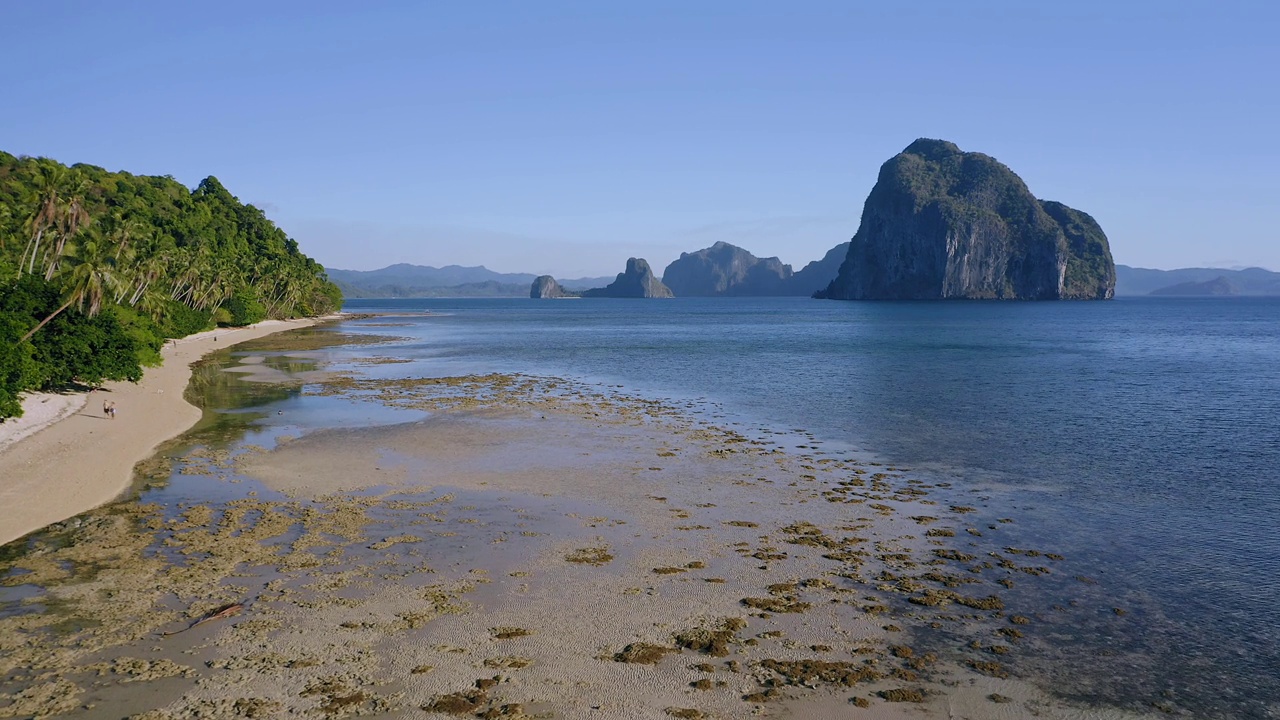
x: 98, y: 268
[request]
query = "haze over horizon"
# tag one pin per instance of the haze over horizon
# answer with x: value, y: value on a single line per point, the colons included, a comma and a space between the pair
x: 562, y: 138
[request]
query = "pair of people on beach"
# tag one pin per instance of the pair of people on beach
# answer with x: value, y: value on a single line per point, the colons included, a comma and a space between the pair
x: 109, y: 409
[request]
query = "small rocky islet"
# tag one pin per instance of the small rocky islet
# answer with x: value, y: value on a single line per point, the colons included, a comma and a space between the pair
x: 637, y: 281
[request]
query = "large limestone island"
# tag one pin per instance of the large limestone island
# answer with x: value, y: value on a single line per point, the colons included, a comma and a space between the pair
x: 728, y: 270
x: 945, y: 224
x: 637, y: 282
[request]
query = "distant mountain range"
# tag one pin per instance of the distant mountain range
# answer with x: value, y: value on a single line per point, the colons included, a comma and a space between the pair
x: 1196, y: 281
x: 404, y: 280
x: 722, y: 269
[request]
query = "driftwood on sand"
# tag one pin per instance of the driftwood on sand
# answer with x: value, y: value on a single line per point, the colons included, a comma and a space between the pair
x: 220, y: 613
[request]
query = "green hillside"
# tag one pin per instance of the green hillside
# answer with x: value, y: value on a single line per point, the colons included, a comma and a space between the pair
x: 98, y: 268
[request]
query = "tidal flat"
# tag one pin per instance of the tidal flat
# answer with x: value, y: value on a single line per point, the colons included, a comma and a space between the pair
x: 506, y: 545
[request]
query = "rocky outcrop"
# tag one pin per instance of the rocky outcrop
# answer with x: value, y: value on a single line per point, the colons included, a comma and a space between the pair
x: 637, y: 282
x: 818, y: 274
x: 545, y: 287
x: 941, y: 224
x: 725, y: 269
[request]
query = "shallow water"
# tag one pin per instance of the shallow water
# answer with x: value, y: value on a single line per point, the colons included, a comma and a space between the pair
x: 1139, y: 438
x: 1110, y: 433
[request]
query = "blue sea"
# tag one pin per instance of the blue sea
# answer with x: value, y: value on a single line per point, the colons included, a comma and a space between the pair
x: 1140, y: 438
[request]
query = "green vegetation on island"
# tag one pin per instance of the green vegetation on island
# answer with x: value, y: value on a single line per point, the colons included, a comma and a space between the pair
x: 98, y: 268
x: 941, y: 223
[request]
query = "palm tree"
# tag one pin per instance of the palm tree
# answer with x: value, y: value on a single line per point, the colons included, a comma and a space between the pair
x: 72, y: 218
x: 5, y: 215
x: 123, y: 238
x: 48, y: 186
x: 145, y: 273
x: 152, y: 301
x: 59, y: 213
x: 90, y: 277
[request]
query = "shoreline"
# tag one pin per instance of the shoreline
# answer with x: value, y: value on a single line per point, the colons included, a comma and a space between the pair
x: 76, y: 459
x: 424, y: 565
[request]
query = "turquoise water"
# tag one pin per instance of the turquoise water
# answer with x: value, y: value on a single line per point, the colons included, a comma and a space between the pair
x: 1139, y: 437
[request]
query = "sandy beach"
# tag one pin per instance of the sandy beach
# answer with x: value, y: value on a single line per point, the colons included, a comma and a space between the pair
x: 64, y: 456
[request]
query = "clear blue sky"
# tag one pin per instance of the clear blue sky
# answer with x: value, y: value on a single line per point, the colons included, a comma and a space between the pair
x: 564, y: 137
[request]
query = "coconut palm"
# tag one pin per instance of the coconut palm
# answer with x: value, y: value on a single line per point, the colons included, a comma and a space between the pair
x: 48, y: 188
x: 5, y: 215
x: 90, y: 276
x: 72, y: 218
x: 152, y: 301
x: 58, y: 217
x: 145, y: 273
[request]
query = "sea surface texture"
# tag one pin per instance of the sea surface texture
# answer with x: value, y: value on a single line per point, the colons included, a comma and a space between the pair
x: 1140, y: 438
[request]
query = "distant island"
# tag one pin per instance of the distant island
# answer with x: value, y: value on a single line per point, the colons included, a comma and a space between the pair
x: 1219, y: 286
x: 728, y: 270
x: 545, y: 287
x: 403, y: 280
x: 637, y: 281
x: 1202, y: 282
x: 720, y: 270
x: 941, y: 223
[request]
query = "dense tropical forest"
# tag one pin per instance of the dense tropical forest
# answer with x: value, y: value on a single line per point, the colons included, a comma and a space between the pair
x: 98, y: 269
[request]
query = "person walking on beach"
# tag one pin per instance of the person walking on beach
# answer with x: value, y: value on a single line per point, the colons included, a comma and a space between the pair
x: 111, y: 411
x: 106, y: 409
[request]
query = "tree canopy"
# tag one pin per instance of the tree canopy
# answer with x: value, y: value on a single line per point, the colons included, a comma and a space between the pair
x: 97, y: 268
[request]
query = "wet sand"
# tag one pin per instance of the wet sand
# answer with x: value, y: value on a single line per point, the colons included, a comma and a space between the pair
x: 68, y: 462
x: 533, y: 549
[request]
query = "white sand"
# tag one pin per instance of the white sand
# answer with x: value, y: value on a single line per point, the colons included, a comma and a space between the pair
x: 66, y: 456
x: 39, y: 411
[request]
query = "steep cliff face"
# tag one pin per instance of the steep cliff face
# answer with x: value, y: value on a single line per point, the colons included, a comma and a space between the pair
x: 941, y: 223
x: 637, y: 282
x: 546, y: 287
x: 725, y: 269
x: 818, y: 274
x: 1090, y: 273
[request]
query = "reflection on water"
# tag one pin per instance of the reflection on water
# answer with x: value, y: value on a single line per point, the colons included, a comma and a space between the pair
x: 1070, y: 429
x: 1136, y: 437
